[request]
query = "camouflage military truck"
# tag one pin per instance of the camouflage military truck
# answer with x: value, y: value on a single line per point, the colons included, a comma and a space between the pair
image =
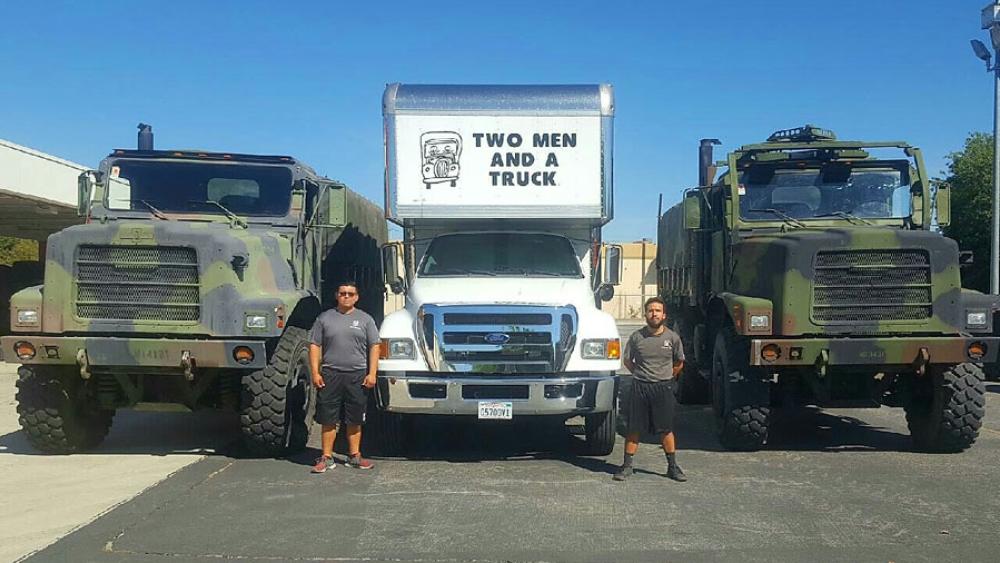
x: 810, y: 273
x: 192, y: 284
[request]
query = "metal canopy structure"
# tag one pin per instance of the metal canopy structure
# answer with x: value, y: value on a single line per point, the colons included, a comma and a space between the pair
x: 32, y: 217
x: 37, y: 192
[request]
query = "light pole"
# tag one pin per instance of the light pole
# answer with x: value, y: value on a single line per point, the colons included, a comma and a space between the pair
x: 991, y: 22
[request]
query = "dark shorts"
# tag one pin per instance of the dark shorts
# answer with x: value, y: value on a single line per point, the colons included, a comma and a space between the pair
x: 343, y: 399
x: 651, y: 407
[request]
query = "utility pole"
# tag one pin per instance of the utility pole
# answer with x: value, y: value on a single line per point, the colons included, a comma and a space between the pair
x: 991, y: 22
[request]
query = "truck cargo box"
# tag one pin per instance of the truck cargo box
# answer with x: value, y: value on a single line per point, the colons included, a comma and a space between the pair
x: 516, y: 152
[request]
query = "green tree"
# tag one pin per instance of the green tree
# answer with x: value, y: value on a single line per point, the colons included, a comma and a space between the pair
x: 16, y: 249
x: 970, y: 174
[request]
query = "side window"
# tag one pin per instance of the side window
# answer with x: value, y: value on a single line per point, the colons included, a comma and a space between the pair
x: 312, y: 193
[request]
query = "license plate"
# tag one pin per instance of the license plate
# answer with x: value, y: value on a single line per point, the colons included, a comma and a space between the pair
x: 496, y: 410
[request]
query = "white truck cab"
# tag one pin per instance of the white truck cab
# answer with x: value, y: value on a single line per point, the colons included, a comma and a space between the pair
x: 502, y: 258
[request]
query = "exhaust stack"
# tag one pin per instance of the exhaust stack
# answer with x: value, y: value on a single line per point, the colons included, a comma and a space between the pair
x: 145, y: 142
x: 706, y: 162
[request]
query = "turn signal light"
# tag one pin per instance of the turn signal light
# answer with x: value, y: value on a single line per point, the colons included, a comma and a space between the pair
x: 770, y: 353
x: 977, y: 350
x: 24, y: 350
x: 243, y: 355
x: 614, y: 349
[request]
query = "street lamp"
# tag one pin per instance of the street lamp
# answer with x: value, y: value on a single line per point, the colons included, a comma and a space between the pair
x: 991, y: 22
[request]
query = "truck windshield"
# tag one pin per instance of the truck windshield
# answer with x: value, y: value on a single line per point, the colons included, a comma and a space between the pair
x: 188, y: 187
x: 851, y: 194
x: 501, y: 254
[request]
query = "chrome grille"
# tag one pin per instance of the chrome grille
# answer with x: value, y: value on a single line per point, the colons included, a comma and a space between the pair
x: 872, y: 286
x: 498, y: 339
x: 137, y: 283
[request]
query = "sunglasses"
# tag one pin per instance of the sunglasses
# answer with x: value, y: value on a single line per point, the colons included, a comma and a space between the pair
x: 346, y: 293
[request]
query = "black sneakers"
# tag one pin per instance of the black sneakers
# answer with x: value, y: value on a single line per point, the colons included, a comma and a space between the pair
x: 676, y: 473
x: 623, y: 473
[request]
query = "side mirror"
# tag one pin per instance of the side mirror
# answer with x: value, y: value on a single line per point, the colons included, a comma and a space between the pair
x: 390, y: 267
x: 692, y: 210
x: 331, y: 210
x: 943, y: 202
x: 85, y: 184
x: 606, y: 292
x: 612, y: 264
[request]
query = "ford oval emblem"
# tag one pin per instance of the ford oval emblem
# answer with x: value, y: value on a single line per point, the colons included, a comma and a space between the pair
x: 496, y: 338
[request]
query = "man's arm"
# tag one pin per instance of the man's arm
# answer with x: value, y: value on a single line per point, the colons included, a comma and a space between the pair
x: 373, y: 353
x: 371, y: 333
x: 627, y: 356
x: 315, y: 353
x: 678, y: 368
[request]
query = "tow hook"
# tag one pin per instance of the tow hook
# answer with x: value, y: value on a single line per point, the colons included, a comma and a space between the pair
x: 187, y: 363
x: 822, y: 361
x: 84, y: 362
x: 920, y: 364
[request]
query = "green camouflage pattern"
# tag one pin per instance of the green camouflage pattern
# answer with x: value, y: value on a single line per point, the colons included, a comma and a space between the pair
x: 716, y: 268
x: 280, y: 268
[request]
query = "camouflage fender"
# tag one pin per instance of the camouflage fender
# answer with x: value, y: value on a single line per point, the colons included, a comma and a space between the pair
x: 742, y: 307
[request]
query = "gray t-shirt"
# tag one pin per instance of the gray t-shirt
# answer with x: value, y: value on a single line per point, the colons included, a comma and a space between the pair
x: 345, y: 339
x: 654, y: 355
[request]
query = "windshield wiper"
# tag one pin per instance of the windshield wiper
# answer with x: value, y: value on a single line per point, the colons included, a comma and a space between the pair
x: 787, y: 218
x: 846, y: 215
x: 156, y: 212
x: 232, y: 216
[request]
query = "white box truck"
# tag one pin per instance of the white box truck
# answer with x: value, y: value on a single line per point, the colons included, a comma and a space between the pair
x: 501, y: 192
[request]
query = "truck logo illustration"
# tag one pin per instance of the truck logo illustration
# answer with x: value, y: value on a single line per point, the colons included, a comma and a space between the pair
x: 440, y: 152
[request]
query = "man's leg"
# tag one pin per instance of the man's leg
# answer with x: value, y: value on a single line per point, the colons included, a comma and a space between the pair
x: 631, y: 446
x: 328, y: 436
x: 669, y: 445
x: 354, y: 439
x: 674, y: 471
x: 356, y: 402
x: 328, y: 411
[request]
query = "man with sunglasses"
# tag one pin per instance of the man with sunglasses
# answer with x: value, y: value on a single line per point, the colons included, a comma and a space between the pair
x: 344, y: 361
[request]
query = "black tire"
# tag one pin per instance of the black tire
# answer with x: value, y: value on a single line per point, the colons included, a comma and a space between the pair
x: 945, y: 412
x: 600, y: 432
x: 279, y: 399
x: 692, y: 388
x: 739, y: 396
x: 55, y: 412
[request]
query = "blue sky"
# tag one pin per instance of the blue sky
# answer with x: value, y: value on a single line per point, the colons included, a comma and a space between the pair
x: 306, y: 78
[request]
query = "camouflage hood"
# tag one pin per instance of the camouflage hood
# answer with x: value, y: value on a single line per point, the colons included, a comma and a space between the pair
x: 166, y: 277
x: 852, y: 280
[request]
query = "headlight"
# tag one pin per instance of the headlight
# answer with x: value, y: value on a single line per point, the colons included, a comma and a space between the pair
x: 601, y: 349
x: 760, y: 321
x: 975, y: 319
x: 27, y: 317
x: 256, y: 321
x: 396, y: 349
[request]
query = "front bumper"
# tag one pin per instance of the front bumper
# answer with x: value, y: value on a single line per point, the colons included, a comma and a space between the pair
x: 559, y: 394
x: 138, y: 352
x: 887, y: 350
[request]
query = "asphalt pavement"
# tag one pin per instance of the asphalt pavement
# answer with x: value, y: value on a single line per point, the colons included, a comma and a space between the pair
x: 837, y: 485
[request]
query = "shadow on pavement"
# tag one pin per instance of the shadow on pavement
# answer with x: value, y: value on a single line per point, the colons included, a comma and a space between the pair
x: 153, y: 433
x: 993, y: 388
